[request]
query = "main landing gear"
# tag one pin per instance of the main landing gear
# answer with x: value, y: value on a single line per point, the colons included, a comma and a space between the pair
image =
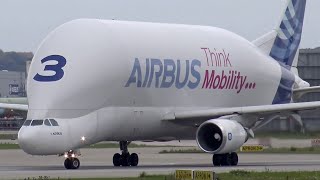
x: 125, y: 158
x: 71, y: 162
x: 229, y: 159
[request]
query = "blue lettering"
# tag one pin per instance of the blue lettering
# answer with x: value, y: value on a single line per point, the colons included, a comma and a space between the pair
x: 57, y: 68
x: 195, y: 74
x: 168, y: 73
x: 179, y: 84
x: 155, y: 62
x: 135, y: 76
x: 147, y: 73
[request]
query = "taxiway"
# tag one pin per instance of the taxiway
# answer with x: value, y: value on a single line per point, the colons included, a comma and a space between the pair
x: 16, y: 164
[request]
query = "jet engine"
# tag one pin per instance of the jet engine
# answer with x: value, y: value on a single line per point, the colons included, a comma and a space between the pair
x: 219, y: 136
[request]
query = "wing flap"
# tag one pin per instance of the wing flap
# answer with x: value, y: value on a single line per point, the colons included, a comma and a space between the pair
x: 297, y: 93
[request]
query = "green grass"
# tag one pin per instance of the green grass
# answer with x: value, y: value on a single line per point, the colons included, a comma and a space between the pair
x: 268, y: 175
x: 142, y: 176
x: 8, y: 136
x: 9, y: 146
x: 116, y: 145
x: 127, y: 178
x: 232, y: 175
x: 171, y: 151
x: 293, y: 150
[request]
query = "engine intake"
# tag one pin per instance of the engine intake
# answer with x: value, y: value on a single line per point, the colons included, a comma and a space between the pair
x: 220, y: 136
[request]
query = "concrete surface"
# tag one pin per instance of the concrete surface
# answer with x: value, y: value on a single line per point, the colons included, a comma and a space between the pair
x: 98, y: 163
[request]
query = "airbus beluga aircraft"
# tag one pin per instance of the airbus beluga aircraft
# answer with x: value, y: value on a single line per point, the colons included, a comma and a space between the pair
x: 104, y: 80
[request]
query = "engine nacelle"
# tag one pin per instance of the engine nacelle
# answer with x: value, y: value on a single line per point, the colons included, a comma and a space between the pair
x: 219, y: 136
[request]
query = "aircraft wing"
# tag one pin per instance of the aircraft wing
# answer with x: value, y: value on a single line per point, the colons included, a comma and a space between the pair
x: 14, y: 100
x: 20, y: 107
x: 297, y: 93
x: 261, y: 111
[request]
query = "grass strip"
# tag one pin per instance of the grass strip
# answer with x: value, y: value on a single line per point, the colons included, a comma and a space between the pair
x: 8, y: 136
x: 5, y: 146
x: 173, y: 151
x: 116, y: 145
x: 293, y: 150
x: 269, y: 175
x: 288, y: 135
x: 232, y: 175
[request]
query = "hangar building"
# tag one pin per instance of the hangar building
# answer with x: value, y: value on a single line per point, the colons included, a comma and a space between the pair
x: 309, y: 70
x: 12, y: 84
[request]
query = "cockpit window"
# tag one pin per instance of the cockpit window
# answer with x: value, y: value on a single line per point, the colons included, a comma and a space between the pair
x: 47, y: 123
x: 54, y: 122
x: 27, y: 123
x: 37, y: 123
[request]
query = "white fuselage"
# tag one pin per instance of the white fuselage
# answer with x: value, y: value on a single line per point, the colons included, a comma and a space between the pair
x: 122, y: 78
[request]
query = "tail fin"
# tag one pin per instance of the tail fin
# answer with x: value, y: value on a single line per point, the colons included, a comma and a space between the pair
x: 288, y: 37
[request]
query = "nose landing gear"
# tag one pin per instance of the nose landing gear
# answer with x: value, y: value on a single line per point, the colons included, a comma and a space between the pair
x: 125, y: 158
x: 71, y: 161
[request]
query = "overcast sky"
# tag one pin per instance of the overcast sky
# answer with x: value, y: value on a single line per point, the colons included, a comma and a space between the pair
x: 24, y: 23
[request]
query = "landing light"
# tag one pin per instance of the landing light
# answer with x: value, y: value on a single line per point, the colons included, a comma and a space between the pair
x: 83, y: 138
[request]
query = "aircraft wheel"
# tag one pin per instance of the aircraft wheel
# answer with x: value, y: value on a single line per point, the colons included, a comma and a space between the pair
x: 226, y: 160
x: 75, y: 163
x: 234, y: 159
x: 216, y: 159
x: 67, y: 163
x: 125, y: 159
x: 117, y: 159
x: 134, y: 159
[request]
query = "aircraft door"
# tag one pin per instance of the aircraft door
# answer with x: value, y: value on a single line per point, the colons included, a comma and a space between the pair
x: 137, y: 119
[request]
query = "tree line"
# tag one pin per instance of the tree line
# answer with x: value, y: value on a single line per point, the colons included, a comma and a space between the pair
x: 14, y: 61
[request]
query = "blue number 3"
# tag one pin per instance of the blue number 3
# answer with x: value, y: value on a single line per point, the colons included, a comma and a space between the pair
x: 57, y: 68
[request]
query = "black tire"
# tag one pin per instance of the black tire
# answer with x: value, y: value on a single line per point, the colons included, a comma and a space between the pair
x: 67, y: 163
x: 234, y: 159
x: 134, y: 159
x: 125, y: 159
x: 216, y: 159
x: 75, y: 163
x: 117, y: 159
x: 226, y: 160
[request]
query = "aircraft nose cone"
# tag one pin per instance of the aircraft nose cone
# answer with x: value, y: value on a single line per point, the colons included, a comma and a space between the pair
x: 25, y: 140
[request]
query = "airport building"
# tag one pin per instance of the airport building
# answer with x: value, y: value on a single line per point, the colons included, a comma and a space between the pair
x: 12, y: 84
x: 309, y: 70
